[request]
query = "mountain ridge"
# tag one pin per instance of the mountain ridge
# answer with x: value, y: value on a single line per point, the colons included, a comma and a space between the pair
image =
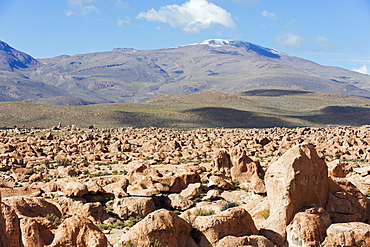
x: 131, y: 75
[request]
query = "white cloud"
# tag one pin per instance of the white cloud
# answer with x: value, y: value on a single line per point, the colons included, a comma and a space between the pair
x: 322, y: 42
x: 192, y: 16
x: 85, y: 10
x: 290, y: 40
x: 120, y: 22
x: 122, y: 5
x: 268, y: 14
x: 363, y: 70
x: 81, y: 7
x: 248, y: 2
x: 69, y: 13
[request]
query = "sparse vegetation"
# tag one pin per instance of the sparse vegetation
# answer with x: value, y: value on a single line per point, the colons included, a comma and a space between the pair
x: 55, y: 220
x: 265, y: 215
x: 132, y: 221
x: 202, y: 212
x: 228, y: 205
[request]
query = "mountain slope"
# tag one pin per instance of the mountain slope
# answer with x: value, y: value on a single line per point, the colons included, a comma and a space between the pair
x: 11, y: 59
x: 130, y: 75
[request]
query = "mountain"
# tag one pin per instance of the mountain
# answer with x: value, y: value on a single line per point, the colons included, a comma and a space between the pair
x: 11, y: 59
x: 130, y: 75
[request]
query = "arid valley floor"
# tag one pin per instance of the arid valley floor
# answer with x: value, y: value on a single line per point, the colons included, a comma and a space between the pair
x: 67, y: 186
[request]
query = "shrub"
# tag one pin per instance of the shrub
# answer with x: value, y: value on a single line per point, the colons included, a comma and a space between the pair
x: 265, y: 215
x: 132, y: 221
x: 55, y: 220
x: 201, y: 212
x: 228, y: 205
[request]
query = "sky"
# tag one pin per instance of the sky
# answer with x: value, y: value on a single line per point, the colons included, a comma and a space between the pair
x: 329, y: 32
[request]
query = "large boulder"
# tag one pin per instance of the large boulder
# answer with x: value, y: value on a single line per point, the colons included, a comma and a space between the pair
x: 131, y: 206
x: 161, y: 227
x: 298, y: 179
x: 252, y: 241
x: 32, y: 206
x: 346, y: 203
x: 233, y: 221
x: 37, y: 231
x: 348, y: 234
x: 222, y: 162
x: 308, y: 228
x: 79, y: 231
x: 246, y: 170
x: 12, y: 228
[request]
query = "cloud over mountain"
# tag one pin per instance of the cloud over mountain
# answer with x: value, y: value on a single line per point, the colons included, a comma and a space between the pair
x: 290, y: 40
x: 192, y: 16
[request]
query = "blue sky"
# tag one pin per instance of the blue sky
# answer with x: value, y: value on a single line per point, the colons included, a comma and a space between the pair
x: 329, y: 32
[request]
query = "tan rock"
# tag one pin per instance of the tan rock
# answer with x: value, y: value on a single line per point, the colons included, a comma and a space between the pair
x: 3, y: 233
x: 225, y: 223
x: 37, y: 232
x: 192, y: 191
x: 346, y: 203
x: 339, y: 169
x: 297, y: 179
x: 219, y: 182
x: 11, y: 228
x: 222, y: 163
x: 347, y: 234
x: 177, y: 201
x: 78, y: 231
x: 71, y: 187
x: 161, y: 227
x: 179, y: 181
x: 244, y: 169
x: 308, y: 228
x: 131, y: 206
x: 252, y: 241
x: 32, y: 206
x: 212, y: 195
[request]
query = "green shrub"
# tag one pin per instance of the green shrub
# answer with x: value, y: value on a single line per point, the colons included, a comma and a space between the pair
x: 132, y: 221
x: 201, y: 212
x: 55, y: 220
x: 265, y: 215
x: 228, y: 205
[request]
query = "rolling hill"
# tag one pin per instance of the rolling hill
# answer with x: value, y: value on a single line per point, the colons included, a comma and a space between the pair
x: 261, y: 108
x: 135, y: 76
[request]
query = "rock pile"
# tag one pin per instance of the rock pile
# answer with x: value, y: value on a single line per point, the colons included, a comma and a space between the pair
x: 158, y: 187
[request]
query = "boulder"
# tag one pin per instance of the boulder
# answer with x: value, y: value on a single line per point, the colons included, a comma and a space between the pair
x: 192, y: 191
x: 347, y: 234
x: 179, y: 181
x: 131, y: 206
x: 252, y: 241
x: 234, y: 221
x: 346, y: 203
x: 339, y: 169
x: 177, y: 201
x: 220, y: 183
x: 37, y: 231
x: 308, y: 228
x: 11, y: 228
x: 161, y: 227
x: 298, y: 179
x: 71, y: 187
x: 3, y: 233
x: 245, y: 170
x: 32, y: 206
x: 221, y: 162
x: 78, y: 231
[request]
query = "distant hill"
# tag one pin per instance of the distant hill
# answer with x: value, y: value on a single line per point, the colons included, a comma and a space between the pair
x: 130, y: 75
x: 260, y: 108
x: 11, y: 59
